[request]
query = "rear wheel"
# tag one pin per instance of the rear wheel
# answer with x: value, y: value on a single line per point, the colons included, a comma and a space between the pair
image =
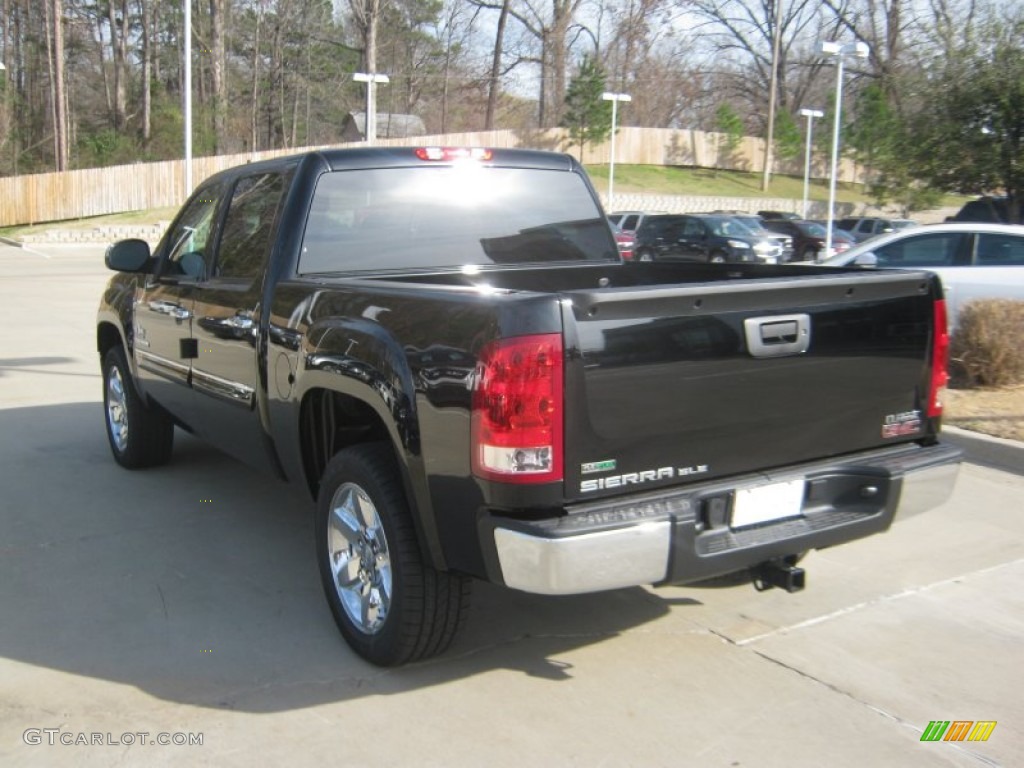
x: 390, y: 606
x: 139, y: 435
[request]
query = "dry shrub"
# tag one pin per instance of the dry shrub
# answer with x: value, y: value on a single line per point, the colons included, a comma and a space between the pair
x: 987, y: 347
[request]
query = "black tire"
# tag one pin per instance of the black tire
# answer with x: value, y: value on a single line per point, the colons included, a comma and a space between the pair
x: 370, y: 563
x: 139, y: 436
x: 717, y: 258
x: 644, y: 255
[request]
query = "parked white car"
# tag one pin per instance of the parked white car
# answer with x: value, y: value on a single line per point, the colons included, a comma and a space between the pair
x: 974, y: 261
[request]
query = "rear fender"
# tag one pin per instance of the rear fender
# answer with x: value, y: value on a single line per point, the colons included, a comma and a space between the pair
x: 359, y: 359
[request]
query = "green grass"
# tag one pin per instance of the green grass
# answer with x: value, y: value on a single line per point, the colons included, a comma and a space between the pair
x: 129, y: 218
x: 664, y: 180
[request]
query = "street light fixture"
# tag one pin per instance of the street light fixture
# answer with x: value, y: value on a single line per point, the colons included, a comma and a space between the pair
x: 614, y: 98
x: 839, y: 50
x: 371, y: 79
x: 810, y: 114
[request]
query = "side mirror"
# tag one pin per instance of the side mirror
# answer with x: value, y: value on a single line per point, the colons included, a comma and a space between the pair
x: 866, y: 261
x: 128, y: 256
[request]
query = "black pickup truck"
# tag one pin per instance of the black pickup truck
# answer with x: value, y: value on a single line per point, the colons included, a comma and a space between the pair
x: 444, y: 347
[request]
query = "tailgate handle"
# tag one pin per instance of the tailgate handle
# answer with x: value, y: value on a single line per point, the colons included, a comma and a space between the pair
x: 778, y: 336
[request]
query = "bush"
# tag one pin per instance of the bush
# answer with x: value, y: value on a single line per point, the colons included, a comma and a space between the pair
x: 987, y: 347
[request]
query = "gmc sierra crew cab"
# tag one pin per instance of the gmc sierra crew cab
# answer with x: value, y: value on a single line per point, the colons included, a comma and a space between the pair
x: 444, y: 348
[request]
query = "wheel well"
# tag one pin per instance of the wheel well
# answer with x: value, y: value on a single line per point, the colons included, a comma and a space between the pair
x: 107, y: 337
x: 329, y: 422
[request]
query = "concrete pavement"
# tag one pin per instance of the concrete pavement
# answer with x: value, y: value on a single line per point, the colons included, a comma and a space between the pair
x: 185, y: 601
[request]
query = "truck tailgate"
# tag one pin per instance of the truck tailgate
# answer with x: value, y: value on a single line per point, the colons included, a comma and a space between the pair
x: 709, y: 380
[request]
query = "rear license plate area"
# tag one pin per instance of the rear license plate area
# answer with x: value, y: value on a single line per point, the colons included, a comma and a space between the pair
x: 767, y: 503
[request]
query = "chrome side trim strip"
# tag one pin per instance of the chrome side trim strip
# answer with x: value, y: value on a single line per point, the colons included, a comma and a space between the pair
x: 225, y: 389
x: 162, y: 366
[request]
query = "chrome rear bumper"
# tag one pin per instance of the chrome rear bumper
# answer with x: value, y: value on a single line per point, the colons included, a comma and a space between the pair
x: 679, y: 535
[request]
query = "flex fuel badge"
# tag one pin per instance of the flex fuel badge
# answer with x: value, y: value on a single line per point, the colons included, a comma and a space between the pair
x: 591, y: 467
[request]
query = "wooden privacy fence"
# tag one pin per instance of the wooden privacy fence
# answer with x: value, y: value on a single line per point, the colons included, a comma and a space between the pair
x: 97, y: 191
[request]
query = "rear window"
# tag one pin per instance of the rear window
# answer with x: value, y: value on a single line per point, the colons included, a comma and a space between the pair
x: 400, y: 219
x: 1000, y: 250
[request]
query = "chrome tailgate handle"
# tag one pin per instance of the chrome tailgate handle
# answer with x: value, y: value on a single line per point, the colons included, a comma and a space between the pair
x: 778, y: 335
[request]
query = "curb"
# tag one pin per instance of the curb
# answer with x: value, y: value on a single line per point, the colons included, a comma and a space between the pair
x: 979, y: 448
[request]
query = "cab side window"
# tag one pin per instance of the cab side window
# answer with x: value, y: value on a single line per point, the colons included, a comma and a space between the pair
x: 250, y: 225
x: 191, y: 236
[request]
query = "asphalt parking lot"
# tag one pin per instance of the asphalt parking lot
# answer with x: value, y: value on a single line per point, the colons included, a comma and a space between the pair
x: 183, y: 604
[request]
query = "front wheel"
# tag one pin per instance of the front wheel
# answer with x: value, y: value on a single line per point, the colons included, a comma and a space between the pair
x: 644, y: 255
x: 717, y: 258
x: 139, y: 435
x: 390, y: 606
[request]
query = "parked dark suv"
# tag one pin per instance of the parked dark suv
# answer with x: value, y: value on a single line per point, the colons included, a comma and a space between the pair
x: 809, y: 238
x: 988, y: 210
x: 699, y: 237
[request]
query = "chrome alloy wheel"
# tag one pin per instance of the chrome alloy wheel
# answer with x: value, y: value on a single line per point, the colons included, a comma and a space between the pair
x: 117, y: 408
x: 359, y: 558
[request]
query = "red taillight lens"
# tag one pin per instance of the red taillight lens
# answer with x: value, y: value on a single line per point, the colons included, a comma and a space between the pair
x: 940, y: 360
x: 517, y: 410
x: 447, y: 154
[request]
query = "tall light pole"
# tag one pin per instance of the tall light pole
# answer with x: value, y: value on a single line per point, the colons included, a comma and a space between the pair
x: 614, y: 98
x: 839, y: 50
x: 371, y: 79
x: 187, y: 87
x: 810, y: 114
x: 773, y: 87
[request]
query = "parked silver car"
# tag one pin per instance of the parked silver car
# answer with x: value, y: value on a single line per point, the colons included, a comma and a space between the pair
x: 867, y: 227
x: 974, y: 261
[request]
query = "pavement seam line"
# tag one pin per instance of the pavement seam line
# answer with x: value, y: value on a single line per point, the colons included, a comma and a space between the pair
x: 909, y: 592
x: 877, y: 710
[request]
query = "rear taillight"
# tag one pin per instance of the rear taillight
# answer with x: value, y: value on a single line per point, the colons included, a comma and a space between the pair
x: 940, y: 360
x: 517, y: 410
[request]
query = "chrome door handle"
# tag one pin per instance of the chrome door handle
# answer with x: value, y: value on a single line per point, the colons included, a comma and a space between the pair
x: 176, y: 311
x: 241, y: 321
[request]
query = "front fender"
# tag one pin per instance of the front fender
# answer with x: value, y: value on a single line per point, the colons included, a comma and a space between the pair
x: 115, y: 318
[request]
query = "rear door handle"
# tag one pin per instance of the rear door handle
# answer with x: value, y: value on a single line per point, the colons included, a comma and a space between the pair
x: 778, y: 336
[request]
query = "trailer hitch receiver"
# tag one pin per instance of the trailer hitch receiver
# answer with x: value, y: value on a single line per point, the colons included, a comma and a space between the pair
x: 780, y: 572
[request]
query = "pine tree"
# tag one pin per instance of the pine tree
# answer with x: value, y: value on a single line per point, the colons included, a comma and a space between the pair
x: 587, y: 116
